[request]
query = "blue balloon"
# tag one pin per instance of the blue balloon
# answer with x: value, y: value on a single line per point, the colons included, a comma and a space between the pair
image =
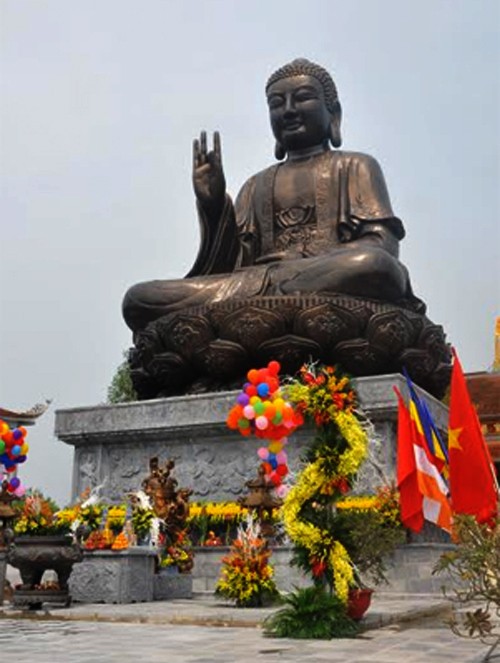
x: 263, y: 389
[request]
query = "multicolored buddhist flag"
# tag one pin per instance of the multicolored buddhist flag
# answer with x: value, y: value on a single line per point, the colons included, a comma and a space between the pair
x: 423, y: 491
x: 410, y: 497
x: 472, y: 476
x: 425, y: 425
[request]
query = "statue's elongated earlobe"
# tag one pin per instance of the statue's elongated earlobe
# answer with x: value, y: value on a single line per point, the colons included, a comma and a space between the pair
x: 335, y: 136
x: 279, y: 151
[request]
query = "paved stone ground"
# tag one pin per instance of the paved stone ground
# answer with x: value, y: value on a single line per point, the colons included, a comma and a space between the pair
x: 55, y: 641
x: 405, y: 630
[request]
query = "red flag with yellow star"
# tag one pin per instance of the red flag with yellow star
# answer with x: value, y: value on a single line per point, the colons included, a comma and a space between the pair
x: 472, y: 479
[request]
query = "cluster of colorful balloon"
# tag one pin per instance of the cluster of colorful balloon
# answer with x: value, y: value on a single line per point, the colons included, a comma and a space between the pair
x: 13, y: 450
x: 274, y: 460
x: 260, y: 410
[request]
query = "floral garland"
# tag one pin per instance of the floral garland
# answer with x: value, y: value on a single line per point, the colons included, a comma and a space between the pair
x: 336, y: 454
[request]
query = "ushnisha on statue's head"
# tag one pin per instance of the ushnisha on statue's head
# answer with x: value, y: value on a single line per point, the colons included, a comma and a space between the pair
x: 304, y: 108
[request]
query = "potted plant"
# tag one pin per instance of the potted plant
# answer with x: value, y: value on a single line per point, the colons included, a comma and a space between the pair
x: 42, y: 541
x: 370, y: 529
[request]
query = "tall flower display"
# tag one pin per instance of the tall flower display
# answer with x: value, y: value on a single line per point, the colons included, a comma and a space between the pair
x: 325, y: 398
x: 247, y: 576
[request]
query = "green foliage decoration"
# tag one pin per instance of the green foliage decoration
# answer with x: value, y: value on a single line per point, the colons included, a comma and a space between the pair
x: 311, y: 613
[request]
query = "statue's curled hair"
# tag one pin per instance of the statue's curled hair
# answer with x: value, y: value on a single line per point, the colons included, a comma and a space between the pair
x: 304, y: 67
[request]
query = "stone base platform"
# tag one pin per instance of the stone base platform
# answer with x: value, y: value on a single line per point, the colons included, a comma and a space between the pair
x: 169, y: 584
x: 107, y: 576
x: 113, y: 443
x: 409, y: 570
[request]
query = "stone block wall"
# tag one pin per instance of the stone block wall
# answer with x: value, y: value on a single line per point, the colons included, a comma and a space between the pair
x: 113, y: 443
x: 409, y: 570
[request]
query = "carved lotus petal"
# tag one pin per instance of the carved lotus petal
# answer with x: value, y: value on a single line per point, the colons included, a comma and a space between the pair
x: 390, y: 332
x: 185, y: 334
x: 358, y: 357
x: 291, y: 351
x: 222, y: 358
x: 326, y: 324
x: 420, y: 364
x: 433, y: 339
x: 249, y: 326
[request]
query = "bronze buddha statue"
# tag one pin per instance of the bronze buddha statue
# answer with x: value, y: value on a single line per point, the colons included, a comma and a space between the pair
x: 317, y: 223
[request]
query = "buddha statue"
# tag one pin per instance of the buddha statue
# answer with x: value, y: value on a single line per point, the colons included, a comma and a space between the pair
x: 318, y: 223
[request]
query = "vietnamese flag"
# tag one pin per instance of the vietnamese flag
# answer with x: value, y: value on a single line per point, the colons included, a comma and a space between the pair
x: 472, y: 483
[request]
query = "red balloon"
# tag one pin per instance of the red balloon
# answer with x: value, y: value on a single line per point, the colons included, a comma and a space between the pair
x: 275, y: 478
x: 267, y: 468
x: 8, y: 438
x: 263, y: 374
x: 274, y: 367
x: 273, y: 383
x: 282, y: 470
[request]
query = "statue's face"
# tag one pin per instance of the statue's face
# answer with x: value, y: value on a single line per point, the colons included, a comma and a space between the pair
x: 298, y: 113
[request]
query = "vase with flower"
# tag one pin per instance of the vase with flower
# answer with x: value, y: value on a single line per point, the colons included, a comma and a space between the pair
x: 42, y: 542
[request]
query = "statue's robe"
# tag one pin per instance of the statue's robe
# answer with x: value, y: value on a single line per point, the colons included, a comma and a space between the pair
x: 351, y: 246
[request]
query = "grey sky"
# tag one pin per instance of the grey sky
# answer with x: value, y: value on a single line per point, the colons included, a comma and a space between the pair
x: 100, y: 100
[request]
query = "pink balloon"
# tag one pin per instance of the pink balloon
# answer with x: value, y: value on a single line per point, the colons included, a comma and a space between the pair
x: 19, y: 491
x: 281, y: 457
x: 282, y: 490
x: 263, y: 453
x: 249, y: 412
x: 261, y: 422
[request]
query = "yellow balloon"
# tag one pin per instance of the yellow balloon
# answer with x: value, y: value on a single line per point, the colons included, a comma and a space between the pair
x: 25, y: 448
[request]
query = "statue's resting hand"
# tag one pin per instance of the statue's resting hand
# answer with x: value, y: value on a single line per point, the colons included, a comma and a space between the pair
x: 208, y: 176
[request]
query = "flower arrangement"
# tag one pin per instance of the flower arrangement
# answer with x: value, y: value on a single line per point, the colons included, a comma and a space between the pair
x: 177, y: 552
x: 40, y: 516
x: 247, y: 576
x: 91, y: 515
x: 116, y: 517
x: 94, y: 522
x: 326, y: 398
x: 143, y: 519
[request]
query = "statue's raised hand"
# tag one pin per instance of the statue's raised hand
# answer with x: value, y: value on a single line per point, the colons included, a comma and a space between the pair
x: 208, y: 176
